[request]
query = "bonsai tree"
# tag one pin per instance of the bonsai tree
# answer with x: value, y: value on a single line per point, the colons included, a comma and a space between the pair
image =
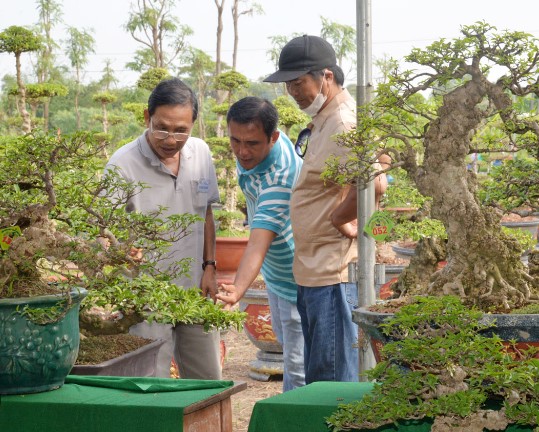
x: 441, y: 365
x: 65, y: 225
x: 475, y: 83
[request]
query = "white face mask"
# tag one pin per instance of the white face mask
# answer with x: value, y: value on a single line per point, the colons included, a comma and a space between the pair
x: 317, y: 103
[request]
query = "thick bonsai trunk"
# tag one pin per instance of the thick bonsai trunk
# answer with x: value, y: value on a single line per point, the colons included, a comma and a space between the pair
x: 483, y: 263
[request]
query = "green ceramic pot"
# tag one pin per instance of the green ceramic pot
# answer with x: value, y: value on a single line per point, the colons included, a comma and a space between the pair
x: 37, y: 357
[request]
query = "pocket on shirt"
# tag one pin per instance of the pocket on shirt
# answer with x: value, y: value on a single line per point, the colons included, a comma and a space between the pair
x: 199, y: 191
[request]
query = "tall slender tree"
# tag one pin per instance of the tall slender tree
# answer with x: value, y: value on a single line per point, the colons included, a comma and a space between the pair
x: 50, y: 14
x: 79, y: 44
x: 250, y: 9
x: 163, y: 38
x: 17, y: 40
x: 218, y: 62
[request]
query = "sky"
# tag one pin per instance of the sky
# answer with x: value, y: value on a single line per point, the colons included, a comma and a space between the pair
x: 397, y: 27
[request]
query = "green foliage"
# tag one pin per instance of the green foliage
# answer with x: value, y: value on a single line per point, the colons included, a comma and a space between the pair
x: 439, y: 364
x: 137, y: 108
x: 149, y: 79
x: 289, y: 113
x: 228, y: 223
x: 16, y: 40
x: 163, y: 302
x: 513, y: 185
x: 402, y: 192
x: 104, y: 97
x: 230, y: 81
x: 406, y: 229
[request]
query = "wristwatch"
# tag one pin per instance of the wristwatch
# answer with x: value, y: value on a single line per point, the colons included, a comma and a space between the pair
x: 209, y: 262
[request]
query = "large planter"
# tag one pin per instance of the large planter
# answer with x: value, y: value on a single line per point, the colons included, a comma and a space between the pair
x: 228, y: 252
x: 524, y: 329
x: 34, y: 357
x: 269, y: 362
x: 138, y: 363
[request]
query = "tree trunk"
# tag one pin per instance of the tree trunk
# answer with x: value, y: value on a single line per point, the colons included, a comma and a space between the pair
x: 478, y: 251
x: 77, y: 94
x: 26, y: 123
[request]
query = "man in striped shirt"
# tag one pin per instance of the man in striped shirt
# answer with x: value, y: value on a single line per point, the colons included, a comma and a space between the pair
x: 268, y: 168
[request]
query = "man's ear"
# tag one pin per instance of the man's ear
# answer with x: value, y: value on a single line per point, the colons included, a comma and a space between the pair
x: 275, y: 136
x: 147, y: 117
x: 328, y: 74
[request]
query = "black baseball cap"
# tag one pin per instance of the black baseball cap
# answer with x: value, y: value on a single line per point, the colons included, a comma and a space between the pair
x: 302, y: 55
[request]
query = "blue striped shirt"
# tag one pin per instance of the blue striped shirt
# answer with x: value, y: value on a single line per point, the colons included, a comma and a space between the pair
x: 267, y: 189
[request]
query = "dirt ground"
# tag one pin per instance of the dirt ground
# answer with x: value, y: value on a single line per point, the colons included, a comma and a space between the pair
x: 239, y: 353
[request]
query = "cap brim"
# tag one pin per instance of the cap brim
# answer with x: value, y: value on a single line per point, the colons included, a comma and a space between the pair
x: 284, y: 75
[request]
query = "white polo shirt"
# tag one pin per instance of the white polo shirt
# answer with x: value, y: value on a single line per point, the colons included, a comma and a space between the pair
x: 191, y: 191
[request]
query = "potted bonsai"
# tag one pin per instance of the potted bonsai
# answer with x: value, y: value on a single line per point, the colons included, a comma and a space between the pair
x: 439, y: 368
x: 55, y: 210
x: 431, y: 135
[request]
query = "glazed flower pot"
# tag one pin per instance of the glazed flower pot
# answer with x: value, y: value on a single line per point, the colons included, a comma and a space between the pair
x: 258, y: 328
x: 37, y: 357
x: 524, y: 329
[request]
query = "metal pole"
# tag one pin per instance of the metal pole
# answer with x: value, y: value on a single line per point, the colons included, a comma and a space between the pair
x: 365, y: 202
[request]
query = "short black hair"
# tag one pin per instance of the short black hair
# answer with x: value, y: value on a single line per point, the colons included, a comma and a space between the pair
x: 252, y: 109
x: 172, y: 91
x: 337, y: 73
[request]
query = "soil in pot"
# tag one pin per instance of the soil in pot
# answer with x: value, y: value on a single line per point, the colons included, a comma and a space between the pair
x: 98, y: 349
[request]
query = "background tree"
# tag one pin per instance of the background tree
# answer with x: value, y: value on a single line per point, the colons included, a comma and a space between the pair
x: 199, y: 70
x: 108, y: 79
x: 17, y: 40
x: 220, y: 5
x: 50, y: 14
x: 342, y: 37
x: 152, y: 25
x: 230, y: 82
x: 250, y: 9
x: 289, y: 114
x: 79, y: 44
x: 39, y: 93
x: 149, y: 79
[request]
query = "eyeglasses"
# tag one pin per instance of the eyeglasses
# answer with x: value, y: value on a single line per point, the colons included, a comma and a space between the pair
x: 162, y: 135
x: 302, y: 142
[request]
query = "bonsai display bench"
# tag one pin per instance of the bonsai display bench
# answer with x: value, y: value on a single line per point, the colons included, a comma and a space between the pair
x: 200, y: 406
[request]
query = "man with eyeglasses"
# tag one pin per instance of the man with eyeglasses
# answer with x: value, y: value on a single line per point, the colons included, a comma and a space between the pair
x: 267, y: 172
x: 180, y: 176
x: 323, y: 215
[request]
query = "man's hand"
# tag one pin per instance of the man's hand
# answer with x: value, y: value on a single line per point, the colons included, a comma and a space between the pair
x: 208, y: 284
x: 349, y: 229
x: 230, y: 294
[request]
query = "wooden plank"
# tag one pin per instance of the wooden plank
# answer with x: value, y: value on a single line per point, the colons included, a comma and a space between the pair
x: 237, y: 387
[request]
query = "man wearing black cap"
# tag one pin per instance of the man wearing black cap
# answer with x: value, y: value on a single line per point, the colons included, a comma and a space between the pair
x: 323, y: 215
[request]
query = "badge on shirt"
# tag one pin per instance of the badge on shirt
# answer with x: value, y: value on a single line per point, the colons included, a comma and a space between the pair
x: 203, y: 186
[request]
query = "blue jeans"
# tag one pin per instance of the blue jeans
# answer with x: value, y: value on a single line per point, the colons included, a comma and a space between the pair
x: 286, y: 325
x: 330, y: 334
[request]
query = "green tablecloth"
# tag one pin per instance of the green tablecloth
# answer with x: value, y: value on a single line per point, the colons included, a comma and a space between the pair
x: 305, y: 409
x: 98, y: 404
